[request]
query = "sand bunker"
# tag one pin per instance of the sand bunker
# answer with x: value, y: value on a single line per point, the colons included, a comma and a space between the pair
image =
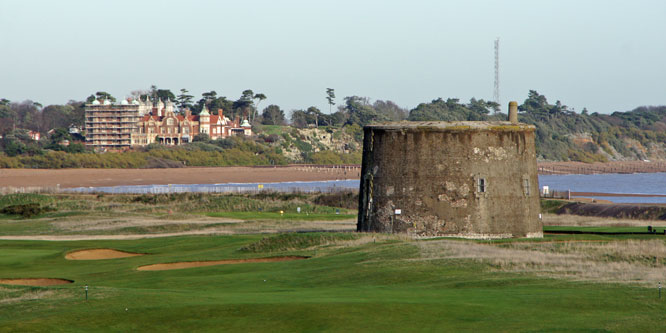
x: 99, y: 254
x: 190, y: 264
x: 35, y: 282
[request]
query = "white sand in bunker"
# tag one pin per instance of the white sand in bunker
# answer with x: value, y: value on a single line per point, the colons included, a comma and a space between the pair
x: 38, y: 282
x: 99, y: 254
x: 191, y: 264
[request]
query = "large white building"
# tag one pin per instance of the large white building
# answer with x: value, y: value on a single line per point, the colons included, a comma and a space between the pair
x: 139, y: 123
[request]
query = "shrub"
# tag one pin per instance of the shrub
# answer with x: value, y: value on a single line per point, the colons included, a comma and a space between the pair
x: 25, y: 210
x: 346, y: 199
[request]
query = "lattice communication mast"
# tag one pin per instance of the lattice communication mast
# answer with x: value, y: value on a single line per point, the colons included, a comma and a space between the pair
x: 496, y: 91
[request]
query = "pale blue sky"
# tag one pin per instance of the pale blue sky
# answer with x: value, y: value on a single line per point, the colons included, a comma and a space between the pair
x: 603, y: 55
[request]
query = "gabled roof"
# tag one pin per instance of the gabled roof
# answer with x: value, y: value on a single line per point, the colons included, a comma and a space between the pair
x: 148, y: 117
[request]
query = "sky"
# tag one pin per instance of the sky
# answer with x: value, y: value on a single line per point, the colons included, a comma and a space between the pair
x: 603, y: 55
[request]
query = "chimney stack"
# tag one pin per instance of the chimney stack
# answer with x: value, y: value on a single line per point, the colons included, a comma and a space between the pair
x: 513, y: 112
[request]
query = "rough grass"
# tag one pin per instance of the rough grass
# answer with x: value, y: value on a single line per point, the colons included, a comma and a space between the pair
x: 26, y: 205
x: 286, y: 242
x: 606, y: 229
x: 285, y: 216
x: 107, y: 214
x: 628, y: 211
x: 347, y: 285
x: 593, y: 221
x: 25, y: 198
x: 623, y: 261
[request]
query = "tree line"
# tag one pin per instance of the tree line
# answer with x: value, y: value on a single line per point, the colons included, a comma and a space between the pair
x: 556, y: 124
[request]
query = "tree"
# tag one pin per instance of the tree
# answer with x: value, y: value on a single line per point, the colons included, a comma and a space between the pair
x: 481, y: 107
x: 222, y: 103
x: 272, y: 115
x: 139, y: 94
x: 103, y: 95
x: 153, y: 92
x: 27, y: 115
x: 360, y: 111
x: 59, y: 135
x: 184, y: 100
x: 299, y: 118
x: 7, y: 118
x: 165, y: 94
x: 209, y: 96
x: 313, y: 112
x: 330, y: 96
x: 57, y: 116
x: 213, y: 103
x: 206, y: 99
x: 534, y: 102
x: 260, y: 97
x: 312, y: 116
x: 201, y: 137
x: 245, y: 102
x: 390, y: 110
x: 78, y: 112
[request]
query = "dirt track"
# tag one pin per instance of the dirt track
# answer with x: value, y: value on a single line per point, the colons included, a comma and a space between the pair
x: 205, y: 175
x: 35, y: 282
x: 206, y: 232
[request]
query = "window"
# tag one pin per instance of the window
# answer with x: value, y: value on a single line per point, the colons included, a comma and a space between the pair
x: 526, y: 186
x: 481, y: 185
x: 170, y: 121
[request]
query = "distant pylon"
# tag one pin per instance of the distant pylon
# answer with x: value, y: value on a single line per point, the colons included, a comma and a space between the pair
x: 496, y: 91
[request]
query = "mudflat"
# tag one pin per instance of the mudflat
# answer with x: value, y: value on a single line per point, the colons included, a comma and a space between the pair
x: 67, y: 178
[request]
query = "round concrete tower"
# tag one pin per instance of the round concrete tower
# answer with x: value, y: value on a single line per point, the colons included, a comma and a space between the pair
x: 460, y: 179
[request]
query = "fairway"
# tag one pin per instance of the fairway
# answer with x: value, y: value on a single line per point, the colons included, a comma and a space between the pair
x: 350, y: 282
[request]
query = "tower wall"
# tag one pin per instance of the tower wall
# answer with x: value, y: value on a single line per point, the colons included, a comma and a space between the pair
x: 463, y: 179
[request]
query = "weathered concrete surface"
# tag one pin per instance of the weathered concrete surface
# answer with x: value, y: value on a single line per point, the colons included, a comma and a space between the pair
x: 432, y: 172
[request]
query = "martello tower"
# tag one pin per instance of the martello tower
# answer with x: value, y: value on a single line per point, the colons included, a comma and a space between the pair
x: 462, y: 179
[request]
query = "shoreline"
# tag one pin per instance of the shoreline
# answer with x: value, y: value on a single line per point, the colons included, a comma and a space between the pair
x: 580, y: 168
x: 70, y: 178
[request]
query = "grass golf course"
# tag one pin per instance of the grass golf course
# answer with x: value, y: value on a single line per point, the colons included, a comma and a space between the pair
x: 341, y: 281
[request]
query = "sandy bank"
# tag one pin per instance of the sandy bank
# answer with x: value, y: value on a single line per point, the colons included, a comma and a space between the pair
x: 205, y: 175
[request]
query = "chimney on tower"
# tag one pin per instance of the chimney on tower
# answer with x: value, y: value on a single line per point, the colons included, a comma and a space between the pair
x: 513, y: 112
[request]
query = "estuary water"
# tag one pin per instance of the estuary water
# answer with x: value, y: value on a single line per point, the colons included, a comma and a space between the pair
x: 638, y: 183
x: 635, y: 183
x: 315, y: 186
